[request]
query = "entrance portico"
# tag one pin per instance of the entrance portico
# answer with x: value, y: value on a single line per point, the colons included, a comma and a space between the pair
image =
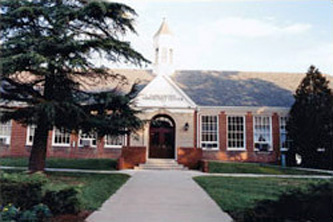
x: 162, y: 137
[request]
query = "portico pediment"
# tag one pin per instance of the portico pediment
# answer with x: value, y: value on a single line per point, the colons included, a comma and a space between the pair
x: 161, y: 92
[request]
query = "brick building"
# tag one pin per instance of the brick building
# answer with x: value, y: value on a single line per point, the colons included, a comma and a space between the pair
x: 216, y: 115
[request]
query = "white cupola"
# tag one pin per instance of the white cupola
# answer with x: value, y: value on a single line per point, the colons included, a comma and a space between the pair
x: 164, y: 50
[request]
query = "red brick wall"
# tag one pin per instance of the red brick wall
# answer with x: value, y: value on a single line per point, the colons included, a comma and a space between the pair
x: 18, y: 140
x: 18, y: 147
x: 223, y: 131
x: 131, y: 157
x: 249, y: 131
x: 238, y: 156
x: 249, y: 155
x: 276, y: 133
x: 135, y: 155
x: 189, y: 157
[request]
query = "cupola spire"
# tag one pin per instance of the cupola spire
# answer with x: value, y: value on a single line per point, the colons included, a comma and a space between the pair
x: 164, y: 50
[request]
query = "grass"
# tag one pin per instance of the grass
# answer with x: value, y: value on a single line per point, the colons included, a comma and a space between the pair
x: 255, y: 168
x: 88, y: 164
x: 95, y: 188
x: 235, y: 195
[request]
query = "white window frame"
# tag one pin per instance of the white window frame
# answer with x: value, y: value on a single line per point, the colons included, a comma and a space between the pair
x: 60, y: 144
x: 217, y: 134
x: 283, y: 132
x: 91, y: 139
x: 270, y: 133
x: 6, y: 126
x: 28, y: 142
x: 122, y: 138
x: 244, y: 134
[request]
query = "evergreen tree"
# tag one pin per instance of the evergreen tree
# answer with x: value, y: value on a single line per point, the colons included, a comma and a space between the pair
x: 310, y: 120
x: 45, y: 59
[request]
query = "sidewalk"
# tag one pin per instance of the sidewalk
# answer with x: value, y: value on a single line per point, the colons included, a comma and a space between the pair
x: 160, y: 196
x: 191, y: 173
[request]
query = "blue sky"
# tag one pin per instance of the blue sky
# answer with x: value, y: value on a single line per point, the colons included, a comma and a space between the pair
x: 242, y: 35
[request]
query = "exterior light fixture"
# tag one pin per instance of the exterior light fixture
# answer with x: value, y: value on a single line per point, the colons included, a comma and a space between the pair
x: 186, y: 126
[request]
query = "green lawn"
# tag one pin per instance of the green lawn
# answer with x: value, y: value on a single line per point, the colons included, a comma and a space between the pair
x: 256, y: 168
x: 95, y: 188
x: 234, y: 195
x: 89, y: 164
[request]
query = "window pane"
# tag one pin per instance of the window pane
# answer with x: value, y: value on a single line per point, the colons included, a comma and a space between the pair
x: 209, y: 132
x: 61, y: 137
x: 262, y: 131
x: 236, y: 132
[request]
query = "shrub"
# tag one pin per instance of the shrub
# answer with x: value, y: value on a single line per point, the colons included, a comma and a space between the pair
x: 314, y: 204
x: 23, y: 191
x: 64, y: 201
x: 9, y: 213
x: 39, y: 213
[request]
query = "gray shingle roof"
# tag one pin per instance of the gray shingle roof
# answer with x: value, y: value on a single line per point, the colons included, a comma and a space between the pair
x: 218, y: 88
x: 223, y: 88
x: 228, y: 88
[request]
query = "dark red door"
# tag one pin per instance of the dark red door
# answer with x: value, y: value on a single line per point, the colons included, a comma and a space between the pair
x: 162, y: 139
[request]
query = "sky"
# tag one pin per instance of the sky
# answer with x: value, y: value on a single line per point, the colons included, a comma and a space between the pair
x: 239, y: 35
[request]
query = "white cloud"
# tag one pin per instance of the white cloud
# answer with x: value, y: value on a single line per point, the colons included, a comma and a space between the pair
x: 249, y: 27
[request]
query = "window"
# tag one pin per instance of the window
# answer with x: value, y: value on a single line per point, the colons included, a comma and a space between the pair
x: 30, y: 134
x: 156, y: 56
x: 262, y: 133
x: 88, y: 140
x: 171, y: 56
x: 164, y: 55
x: 285, y: 142
x: 114, y: 141
x: 5, y: 132
x: 236, y: 132
x: 60, y: 138
x: 209, y: 132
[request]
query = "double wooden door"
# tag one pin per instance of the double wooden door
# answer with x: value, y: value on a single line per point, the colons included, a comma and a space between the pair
x: 162, y: 141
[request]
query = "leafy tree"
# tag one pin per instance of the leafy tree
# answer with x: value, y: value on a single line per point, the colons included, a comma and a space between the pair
x: 310, y: 120
x: 46, y: 53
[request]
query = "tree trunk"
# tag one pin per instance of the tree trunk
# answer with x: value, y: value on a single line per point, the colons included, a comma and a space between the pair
x: 39, y: 147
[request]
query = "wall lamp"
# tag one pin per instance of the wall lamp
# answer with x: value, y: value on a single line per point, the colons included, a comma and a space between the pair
x: 186, y: 126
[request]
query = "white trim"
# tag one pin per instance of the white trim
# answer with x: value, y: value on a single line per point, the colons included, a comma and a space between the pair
x: 283, y: 149
x: 59, y: 144
x: 244, y: 134
x: 270, y: 131
x: 7, y: 137
x: 91, y: 145
x: 188, y: 99
x: 185, y: 102
x: 113, y: 146
x: 198, y: 129
x: 236, y: 149
x: 248, y: 108
x: 27, y: 142
x: 217, y: 136
x: 124, y: 138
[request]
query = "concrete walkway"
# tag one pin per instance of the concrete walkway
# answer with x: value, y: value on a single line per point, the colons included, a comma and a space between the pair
x: 158, y: 196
